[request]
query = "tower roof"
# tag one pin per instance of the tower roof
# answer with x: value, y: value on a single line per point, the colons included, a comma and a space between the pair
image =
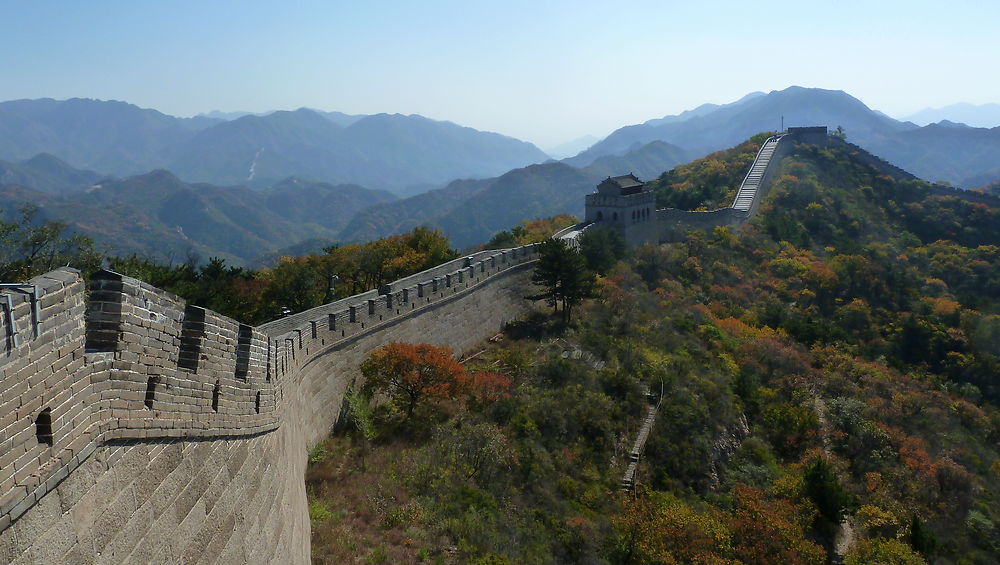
x: 621, y: 185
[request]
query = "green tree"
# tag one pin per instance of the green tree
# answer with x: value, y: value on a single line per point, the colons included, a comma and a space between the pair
x: 602, y: 248
x: 30, y: 247
x: 501, y: 240
x: 563, y: 275
x: 922, y: 538
x: 823, y: 488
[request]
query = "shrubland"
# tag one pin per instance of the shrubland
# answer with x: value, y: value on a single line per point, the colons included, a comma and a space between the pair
x: 829, y: 378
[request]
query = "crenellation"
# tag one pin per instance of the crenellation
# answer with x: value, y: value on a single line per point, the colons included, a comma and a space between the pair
x: 624, y: 204
x: 131, y: 369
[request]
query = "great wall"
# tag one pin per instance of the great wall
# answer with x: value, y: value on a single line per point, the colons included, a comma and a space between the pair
x: 626, y: 205
x: 136, y: 428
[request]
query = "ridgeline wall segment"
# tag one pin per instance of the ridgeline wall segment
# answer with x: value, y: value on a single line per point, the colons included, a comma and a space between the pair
x: 625, y: 205
x: 137, y: 428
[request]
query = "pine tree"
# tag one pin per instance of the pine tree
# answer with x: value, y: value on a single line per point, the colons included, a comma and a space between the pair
x: 562, y: 274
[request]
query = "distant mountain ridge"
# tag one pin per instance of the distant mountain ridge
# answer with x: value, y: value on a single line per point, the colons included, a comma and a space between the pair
x: 157, y: 214
x: 937, y: 152
x: 381, y: 150
x: 107, y: 136
x: 47, y: 173
x: 975, y: 115
x: 389, y: 151
x: 471, y: 211
x: 572, y: 147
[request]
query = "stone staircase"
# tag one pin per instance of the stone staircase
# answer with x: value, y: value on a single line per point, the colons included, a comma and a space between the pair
x: 748, y: 190
x: 570, y: 351
x: 628, y: 479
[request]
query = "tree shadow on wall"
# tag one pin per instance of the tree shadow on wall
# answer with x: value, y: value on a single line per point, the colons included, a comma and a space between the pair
x: 537, y: 326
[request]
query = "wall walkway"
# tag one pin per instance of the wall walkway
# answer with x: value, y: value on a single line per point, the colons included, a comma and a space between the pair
x: 135, y: 428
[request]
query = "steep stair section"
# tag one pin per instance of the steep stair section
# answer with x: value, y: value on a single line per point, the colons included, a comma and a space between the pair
x: 628, y: 479
x: 748, y: 190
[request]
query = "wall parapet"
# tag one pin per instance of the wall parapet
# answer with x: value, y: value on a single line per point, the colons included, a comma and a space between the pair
x: 123, y: 360
x: 634, y: 217
x: 109, y: 369
x: 674, y: 223
x: 299, y: 337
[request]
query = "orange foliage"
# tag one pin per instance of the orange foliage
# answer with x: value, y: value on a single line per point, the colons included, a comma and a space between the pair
x: 767, y: 531
x: 733, y: 326
x: 410, y: 373
x: 913, y: 453
x: 487, y: 386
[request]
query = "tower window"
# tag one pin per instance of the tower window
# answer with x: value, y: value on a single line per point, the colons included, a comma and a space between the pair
x: 151, y: 391
x: 215, y: 397
x: 43, y: 427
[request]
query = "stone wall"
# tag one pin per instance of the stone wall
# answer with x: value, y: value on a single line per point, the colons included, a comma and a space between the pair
x: 174, y: 434
x: 673, y: 224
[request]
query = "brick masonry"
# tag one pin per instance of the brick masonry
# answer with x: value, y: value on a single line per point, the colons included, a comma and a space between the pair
x: 175, y: 434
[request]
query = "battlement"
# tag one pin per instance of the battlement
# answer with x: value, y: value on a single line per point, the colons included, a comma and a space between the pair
x: 624, y: 204
x: 122, y: 360
x: 82, y: 372
x: 813, y: 135
x: 298, y: 338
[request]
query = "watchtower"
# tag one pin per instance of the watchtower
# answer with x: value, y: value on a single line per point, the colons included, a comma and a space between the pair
x: 626, y: 205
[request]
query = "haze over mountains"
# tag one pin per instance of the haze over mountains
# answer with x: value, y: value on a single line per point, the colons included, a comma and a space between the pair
x: 159, y: 215
x: 977, y: 116
x: 324, y: 176
x: 47, y: 173
x: 470, y: 212
x: 384, y: 151
x: 938, y: 152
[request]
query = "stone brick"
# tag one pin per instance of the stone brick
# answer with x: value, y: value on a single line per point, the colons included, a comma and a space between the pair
x: 112, y: 496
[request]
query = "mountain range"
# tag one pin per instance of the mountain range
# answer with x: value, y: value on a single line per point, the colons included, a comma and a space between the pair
x: 944, y: 151
x: 263, y: 196
x: 385, y: 151
x: 975, y: 115
x: 160, y: 216
x: 470, y: 212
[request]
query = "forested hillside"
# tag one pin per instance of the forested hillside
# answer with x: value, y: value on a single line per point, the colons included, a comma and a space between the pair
x: 830, y: 377
x: 160, y: 216
x: 472, y: 211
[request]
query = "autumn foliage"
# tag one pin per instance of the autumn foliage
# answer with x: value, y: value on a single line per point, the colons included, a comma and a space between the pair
x: 834, y: 359
x: 411, y: 374
x: 489, y: 386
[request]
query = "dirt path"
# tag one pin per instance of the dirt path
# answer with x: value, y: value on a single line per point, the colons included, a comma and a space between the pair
x: 844, y: 538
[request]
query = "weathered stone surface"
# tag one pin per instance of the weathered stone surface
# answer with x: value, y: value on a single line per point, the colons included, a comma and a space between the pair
x: 148, y: 463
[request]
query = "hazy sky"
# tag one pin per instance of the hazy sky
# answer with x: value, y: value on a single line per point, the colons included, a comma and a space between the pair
x: 544, y: 71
